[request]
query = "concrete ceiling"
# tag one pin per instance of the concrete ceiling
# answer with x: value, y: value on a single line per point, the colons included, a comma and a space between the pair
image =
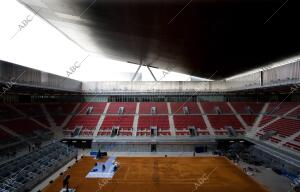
x: 198, y: 37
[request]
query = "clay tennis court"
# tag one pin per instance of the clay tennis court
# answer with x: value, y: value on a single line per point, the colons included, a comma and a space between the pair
x: 162, y: 174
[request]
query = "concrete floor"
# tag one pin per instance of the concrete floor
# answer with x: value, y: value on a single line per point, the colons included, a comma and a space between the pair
x: 270, y: 179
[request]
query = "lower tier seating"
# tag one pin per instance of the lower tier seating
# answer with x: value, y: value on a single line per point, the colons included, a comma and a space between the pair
x: 178, y: 107
x: 221, y: 123
x: 129, y: 108
x: 161, y: 107
x: 160, y: 122
x: 183, y: 123
x: 247, y: 107
x: 96, y: 108
x: 216, y: 108
x: 123, y: 124
x: 86, y: 124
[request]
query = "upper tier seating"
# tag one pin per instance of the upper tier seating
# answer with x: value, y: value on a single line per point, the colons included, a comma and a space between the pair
x: 97, y: 107
x: 6, y: 138
x: 34, y: 111
x: 249, y: 119
x: 160, y: 119
x: 247, y: 107
x: 284, y: 127
x: 60, y: 108
x: 7, y: 113
x: 25, y: 127
x: 129, y: 108
x: 213, y: 107
x: 178, y: 107
x: 59, y: 111
x: 59, y: 119
x: 161, y: 107
x: 30, y: 109
x: 280, y: 108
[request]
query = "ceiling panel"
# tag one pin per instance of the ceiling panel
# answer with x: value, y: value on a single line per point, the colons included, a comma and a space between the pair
x: 198, y: 37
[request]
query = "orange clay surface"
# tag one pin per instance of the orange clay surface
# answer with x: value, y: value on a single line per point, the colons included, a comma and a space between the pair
x: 162, y: 174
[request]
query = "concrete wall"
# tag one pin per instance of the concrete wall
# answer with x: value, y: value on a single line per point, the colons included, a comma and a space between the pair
x: 281, y: 75
x: 115, y: 147
x: 274, y: 161
x: 11, y: 73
